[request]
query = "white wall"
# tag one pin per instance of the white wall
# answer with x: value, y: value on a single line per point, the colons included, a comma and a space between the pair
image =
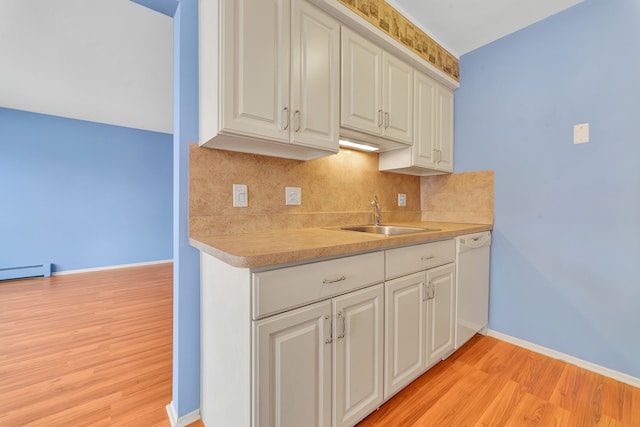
x: 106, y: 61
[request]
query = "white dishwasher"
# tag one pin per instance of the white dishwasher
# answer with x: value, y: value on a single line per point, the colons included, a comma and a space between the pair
x: 472, y: 285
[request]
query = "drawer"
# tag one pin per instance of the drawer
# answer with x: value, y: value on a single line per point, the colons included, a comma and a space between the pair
x: 279, y: 290
x: 411, y: 259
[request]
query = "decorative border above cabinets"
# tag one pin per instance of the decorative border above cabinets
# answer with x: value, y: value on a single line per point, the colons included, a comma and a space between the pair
x: 393, y: 23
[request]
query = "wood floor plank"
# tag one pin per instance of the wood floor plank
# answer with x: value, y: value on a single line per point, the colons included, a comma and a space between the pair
x: 617, y: 400
x: 447, y: 411
x: 635, y: 408
x: 532, y: 411
x: 499, y: 410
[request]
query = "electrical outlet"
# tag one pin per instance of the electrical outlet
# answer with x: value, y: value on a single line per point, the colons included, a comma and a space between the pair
x: 402, y: 199
x: 293, y: 196
x: 581, y: 133
x: 240, y: 196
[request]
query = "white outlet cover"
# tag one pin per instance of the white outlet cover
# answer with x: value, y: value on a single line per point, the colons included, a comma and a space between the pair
x: 240, y: 196
x: 402, y: 199
x: 581, y: 133
x: 293, y: 196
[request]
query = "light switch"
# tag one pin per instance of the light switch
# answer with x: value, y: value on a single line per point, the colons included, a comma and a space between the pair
x: 293, y: 196
x: 581, y: 133
x: 402, y: 199
x: 240, y: 196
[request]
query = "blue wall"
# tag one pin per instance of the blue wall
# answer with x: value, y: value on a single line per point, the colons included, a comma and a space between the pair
x: 82, y: 195
x: 186, y: 267
x: 567, y: 217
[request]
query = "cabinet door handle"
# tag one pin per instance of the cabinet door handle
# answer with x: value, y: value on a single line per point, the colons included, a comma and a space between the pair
x: 296, y: 116
x: 330, y: 339
x: 339, y: 279
x: 439, y: 155
x: 427, y: 258
x: 432, y: 290
x: 425, y: 292
x: 285, y: 115
x: 386, y: 120
x: 344, y: 325
x: 379, y: 118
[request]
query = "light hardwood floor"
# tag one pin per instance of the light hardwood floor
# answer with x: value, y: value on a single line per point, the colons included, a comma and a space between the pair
x: 493, y: 383
x: 87, y: 349
x: 94, y: 349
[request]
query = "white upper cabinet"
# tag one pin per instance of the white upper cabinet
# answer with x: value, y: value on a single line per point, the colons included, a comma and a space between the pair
x: 361, y: 96
x: 432, y: 150
x: 376, y: 93
x: 315, y: 77
x: 397, y: 96
x: 269, y: 78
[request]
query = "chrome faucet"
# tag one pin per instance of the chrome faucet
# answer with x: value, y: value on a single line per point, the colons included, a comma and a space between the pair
x: 377, y: 211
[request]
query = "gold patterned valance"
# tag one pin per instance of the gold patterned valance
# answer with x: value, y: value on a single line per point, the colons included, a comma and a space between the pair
x: 392, y: 22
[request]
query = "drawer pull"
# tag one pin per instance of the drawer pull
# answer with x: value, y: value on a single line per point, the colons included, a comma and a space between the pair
x: 427, y: 258
x: 339, y: 279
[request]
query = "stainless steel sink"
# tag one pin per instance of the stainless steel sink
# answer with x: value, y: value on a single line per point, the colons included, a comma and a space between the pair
x: 387, y: 230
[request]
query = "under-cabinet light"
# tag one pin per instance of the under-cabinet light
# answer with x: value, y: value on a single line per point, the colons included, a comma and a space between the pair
x: 358, y: 146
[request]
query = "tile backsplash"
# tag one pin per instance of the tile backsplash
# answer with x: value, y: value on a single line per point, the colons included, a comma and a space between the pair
x: 460, y: 197
x: 336, y: 190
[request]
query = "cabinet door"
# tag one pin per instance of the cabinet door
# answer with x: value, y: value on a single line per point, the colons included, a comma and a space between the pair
x: 315, y: 77
x: 444, y: 102
x: 358, y: 353
x: 425, y: 124
x: 292, y: 368
x: 441, y: 312
x: 397, y: 99
x: 405, y: 331
x: 361, y: 106
x: 255, y: 77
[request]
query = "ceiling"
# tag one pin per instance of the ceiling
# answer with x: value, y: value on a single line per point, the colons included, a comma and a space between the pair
x: 461, y: 26
x: 106, y: 61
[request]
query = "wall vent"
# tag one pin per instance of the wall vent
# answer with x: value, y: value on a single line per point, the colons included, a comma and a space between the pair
x: 21, y: 272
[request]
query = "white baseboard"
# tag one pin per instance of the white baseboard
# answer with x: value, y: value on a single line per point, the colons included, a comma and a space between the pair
x: 598, y: 369
x: 110, y: 267
x: 184, y: 420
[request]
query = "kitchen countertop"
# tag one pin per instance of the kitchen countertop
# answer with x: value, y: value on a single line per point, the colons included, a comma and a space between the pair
x: 253, y: 250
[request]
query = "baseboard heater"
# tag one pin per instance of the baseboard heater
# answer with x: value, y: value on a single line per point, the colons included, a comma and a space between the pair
x: 22, y: 272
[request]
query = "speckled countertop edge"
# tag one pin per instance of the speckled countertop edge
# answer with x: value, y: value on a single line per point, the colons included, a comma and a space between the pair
x: 254, y: 250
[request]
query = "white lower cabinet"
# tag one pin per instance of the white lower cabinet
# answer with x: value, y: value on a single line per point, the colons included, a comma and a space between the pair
x: 358, y: 353
x: 405, y: 331
x: 293, y: 368
x: 321, y: 365
x: 322, y: 344
x: 419, y: 314
x: 441, y: 313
